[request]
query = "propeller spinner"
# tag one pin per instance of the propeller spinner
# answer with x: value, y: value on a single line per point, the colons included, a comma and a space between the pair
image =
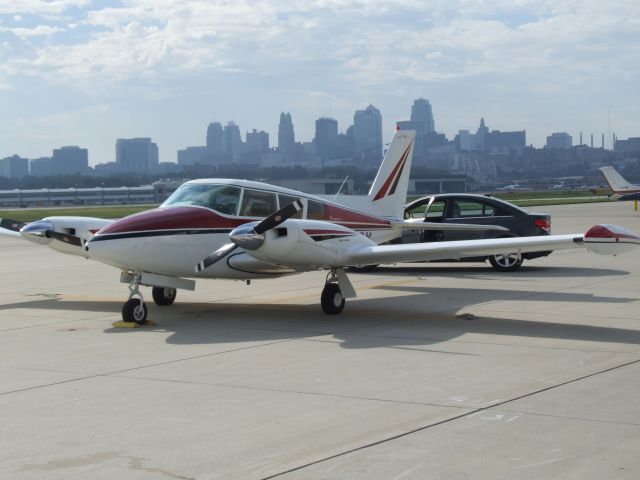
x: 250, y: 236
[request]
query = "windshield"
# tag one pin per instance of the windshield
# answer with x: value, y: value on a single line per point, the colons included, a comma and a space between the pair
x: 222, y: 198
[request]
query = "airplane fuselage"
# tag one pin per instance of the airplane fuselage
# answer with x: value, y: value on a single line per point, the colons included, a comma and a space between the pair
x: 172, y: 239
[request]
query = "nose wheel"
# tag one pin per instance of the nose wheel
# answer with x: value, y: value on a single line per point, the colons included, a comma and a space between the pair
x: 134, y: 310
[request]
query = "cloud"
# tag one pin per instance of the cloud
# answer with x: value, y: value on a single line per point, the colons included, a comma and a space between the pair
x: 38, y: 6
x: 40, y: 30
x: 363, y: 43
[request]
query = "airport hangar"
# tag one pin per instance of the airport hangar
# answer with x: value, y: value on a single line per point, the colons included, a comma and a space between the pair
x: 434, y: 371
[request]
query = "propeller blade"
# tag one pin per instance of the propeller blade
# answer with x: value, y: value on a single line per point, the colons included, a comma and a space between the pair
x: 13, y: 225
x: 276, y: 218
x: 215, y: 256
x: 64, y: 237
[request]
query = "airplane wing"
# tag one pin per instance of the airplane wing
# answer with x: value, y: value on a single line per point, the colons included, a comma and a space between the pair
x: 602, y: 239
x: 420, y: 224
x: 413, y: 252
x: 63, y: 234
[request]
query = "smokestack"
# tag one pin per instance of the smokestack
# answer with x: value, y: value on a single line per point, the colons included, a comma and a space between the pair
x: 580, y: 138
x: 592, y: 140
x: 603, y: 141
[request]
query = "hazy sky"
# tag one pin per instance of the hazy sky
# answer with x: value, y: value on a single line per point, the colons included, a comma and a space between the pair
x: 82, y: 72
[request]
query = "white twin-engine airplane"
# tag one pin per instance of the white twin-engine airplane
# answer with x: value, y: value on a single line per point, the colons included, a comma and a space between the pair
x: 619, y: 185
x: 242, y: 230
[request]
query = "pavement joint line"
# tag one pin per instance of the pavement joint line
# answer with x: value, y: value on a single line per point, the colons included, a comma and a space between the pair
x: 445, y: 421
x: 293, y: 392
x: 566, y: 417
x: 106, y: 374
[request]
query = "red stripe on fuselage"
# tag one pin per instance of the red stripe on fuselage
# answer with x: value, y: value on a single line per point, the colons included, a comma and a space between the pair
x: 187, y: 217
x: 172, y: 218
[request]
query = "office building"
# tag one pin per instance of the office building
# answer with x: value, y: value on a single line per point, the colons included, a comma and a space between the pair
x: 136, y: 155
x: 560, y: 140
x: 367, y: 135
x: 257, y: 141
x: 40, y: 167
x: 232, y: 141
x: 14, y: 167
x: 421, y: 112
x: 215, y: 138
x: 326, y: 138
x: 631, y: 145
x: 286, y: 138
x: 69, y: 161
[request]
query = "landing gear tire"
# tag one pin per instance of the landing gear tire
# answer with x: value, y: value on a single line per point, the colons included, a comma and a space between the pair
x: 331, y: 300
x: 163, y: 296
x: 507, y: 262
x: 134, y: 311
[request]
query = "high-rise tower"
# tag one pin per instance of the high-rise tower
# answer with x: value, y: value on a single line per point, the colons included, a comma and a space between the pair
x: 215, y: 142
x: 367, y: 135
x: 286, y: 138
x: 421, y: 112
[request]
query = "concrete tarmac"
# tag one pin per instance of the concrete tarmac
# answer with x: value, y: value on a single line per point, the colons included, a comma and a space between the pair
x: 441, y: 371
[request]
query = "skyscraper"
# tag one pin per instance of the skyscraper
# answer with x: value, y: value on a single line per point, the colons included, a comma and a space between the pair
x: 481, y: 135
x: 421, y: 112
x: 326, y: 138
x: 367, y: 135
x: 286, y: 138
x: 215, y: 141
x: 136, y: 155
x: 232, y: 141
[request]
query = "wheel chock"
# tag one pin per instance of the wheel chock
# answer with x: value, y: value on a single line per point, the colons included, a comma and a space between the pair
x: 122, y: 324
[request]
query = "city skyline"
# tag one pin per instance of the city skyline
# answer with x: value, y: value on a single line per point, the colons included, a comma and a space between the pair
x: 79, y: 72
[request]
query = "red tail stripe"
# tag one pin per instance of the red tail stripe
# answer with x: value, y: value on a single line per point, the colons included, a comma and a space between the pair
x: 383, y: 191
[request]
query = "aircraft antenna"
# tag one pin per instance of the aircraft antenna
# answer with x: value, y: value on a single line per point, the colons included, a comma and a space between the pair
x: 342, y: 185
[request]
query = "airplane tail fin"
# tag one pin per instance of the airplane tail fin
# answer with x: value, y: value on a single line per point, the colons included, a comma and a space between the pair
x: 388, y: 193
x: 616, y: 181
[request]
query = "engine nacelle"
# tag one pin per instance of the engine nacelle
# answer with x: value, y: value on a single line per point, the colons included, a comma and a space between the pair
x: 610, y: 240
x: 308, y: 244
x: 82, y: 227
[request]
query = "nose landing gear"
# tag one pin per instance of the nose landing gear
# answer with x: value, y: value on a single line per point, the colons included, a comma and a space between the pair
x: 134, y: 310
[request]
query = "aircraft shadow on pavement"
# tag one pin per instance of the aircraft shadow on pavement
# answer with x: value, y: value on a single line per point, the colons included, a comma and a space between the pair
x: 468, y: 271
x: 412, y: 321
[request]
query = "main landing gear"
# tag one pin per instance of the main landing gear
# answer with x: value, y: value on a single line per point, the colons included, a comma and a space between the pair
x: 163, y: 296
x: 337, y: 287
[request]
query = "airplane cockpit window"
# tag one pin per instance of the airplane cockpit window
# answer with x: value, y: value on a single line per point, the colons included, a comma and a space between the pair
x: 315, y: 210
x: 221, y: 198
x: 258, y: 204
x: 286, y: 200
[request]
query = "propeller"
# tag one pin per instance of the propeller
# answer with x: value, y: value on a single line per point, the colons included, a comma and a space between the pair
x: 44, y: 228
x: 13, y: 225
x: 250, y: 236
